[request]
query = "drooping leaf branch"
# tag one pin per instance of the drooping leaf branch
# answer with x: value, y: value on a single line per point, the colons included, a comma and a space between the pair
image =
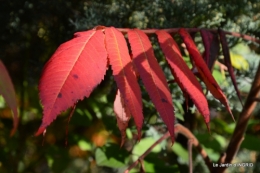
x: 241, y: 125
x: 79, y: 65
x: 179, y: 129
x: 70, y: 74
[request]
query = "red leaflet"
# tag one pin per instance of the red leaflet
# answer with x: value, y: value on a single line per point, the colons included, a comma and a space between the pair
x: 122, y: 67
x: 211, y: 45
x: 152, y: 76
x: 122, y: 115
x: 227, y: 59
x: 8, y: 93
x: 204, y: 71
x: 73, y: 71
x: 182, y: 74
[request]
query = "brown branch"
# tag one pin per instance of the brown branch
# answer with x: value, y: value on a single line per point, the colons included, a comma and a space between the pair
x: 238, y: 134
x: 190, y: 143
x: 185, y: 132
x: 175, y: 30
x: 189, y: 135
x: 244, y: 36
x: 256, y: 99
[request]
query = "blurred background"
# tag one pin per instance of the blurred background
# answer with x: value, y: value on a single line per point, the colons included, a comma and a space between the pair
x: 90, y: 143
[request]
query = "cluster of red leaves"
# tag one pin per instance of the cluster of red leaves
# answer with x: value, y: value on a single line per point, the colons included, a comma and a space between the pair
x: 80, y: 64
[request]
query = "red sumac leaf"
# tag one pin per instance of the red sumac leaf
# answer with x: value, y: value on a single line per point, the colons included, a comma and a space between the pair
x: 122, y: 67
x: 211, y: 45
x: 122, y: 115
x: 182, y: 74
x: 71, y: 74
x: 204, y: 71
x: 227, y: 59
x: 8, y: 93
x: 152, y: 76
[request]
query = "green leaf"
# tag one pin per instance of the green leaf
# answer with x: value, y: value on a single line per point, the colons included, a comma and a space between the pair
x: 83, y: 145
x: 213, y: 155
x: 153, y: 164
x: 143, y: 145
x: 209, y: 141
x: 218, y: 76
x: 180, y: 151
x: 251, y: 143
x: 224, y: 126
x: 221, y: 140
x: 111, y: 156
x: 239, y: 62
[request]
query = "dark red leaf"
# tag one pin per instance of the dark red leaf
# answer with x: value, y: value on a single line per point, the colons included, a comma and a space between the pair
x: 227, y: 59
x: 152, y: 76
x: 211, y: 45
x: 182, y: 74
x: 125, y: 78
x: 71, y: 74
x: 8, y: 93
x: 204, y: 71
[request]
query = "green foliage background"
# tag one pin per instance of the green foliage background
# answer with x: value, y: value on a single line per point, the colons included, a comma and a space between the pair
x: 32, y: 30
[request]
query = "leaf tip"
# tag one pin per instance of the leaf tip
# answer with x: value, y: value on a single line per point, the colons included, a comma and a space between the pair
x: 13, y: 131
x: 15, y: 124
x: 173, y: 140
x: 122, y: 142
x: 41, y: 129
x: 139, y: 135
x: 208, y: 127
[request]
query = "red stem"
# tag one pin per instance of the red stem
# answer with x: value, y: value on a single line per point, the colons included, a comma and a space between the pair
x: 175, y: 30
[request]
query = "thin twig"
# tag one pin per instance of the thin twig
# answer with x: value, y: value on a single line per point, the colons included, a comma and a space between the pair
x: 189, y: 135
x: 185, y: 132
x: 238, y: 134
x: 165, y: 136
x: 190, y: 142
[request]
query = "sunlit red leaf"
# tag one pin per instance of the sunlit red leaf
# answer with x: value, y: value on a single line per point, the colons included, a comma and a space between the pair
x: 8, y: 92
x: 182, y: 74
x: 227, y: 59
x: 71, y: 74
x: 122, y: 115
x: 125, y: 78
x: 203, y: 69
x: 152, y: 76
x: 211, y: 45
